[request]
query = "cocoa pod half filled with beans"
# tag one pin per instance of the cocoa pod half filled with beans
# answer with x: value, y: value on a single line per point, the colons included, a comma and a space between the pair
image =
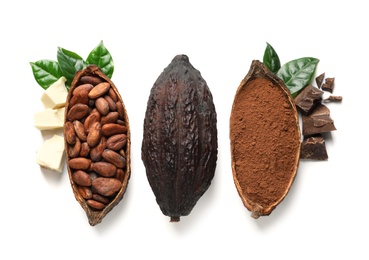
x: 179, y: 147
x: 97, y: 143
x: 265, y: 140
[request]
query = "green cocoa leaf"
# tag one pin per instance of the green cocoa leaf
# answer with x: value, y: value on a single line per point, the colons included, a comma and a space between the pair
x: 271, y: 59
x: 297, y: 74
x: 46, y: 72
x: 70, y: 63
x: 101, y: 57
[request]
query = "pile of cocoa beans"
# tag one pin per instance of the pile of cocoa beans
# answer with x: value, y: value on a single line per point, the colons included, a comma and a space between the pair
x: 96, y: 132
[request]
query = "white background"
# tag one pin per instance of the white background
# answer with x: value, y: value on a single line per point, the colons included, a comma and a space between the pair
x: 325, y: 215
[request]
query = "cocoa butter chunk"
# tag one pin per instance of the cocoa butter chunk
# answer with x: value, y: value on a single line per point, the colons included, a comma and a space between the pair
x: 265, y: 140
x: 319, y: 80
x: 313, y: 148
x: 328, y: 85
x: 179, y: 146
x: 308, y: 98
x: 318, y: 121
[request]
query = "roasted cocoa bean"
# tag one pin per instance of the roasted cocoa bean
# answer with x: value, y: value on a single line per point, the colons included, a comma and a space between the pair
x: 113, y: 95
x: 79, y: 129
x: 120, y: 175
x: 84, y: 191
x: 109, y: 118
x: 105, y: 169
x: 79, y: 163
x: 113, y: 129
x: 179, y: 147
x: 111, y: 103
x: 122, y: 153
x: 114, y: 158
x: 94, y: 134
x: 81, y: 97
x: 96, y: 152
x: 92, y: 118
x: 106, y: 186
x: 82, y: 88
x: 99, y: 90
x: 116, y: 142
x: 91, y: 80
x: 98, y: 176
x: 69, y: 133
x: 82, y: 178
x: 95, y: 204
x: 120, y: 109
x: 100, y: 198
x: 102, y: 106
x: 75, y: 150
x: 77, y: 112
x: 85, y: 149
x: 120, y: 122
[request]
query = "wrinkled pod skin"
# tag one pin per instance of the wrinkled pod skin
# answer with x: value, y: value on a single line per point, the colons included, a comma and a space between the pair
x: 179, y: 147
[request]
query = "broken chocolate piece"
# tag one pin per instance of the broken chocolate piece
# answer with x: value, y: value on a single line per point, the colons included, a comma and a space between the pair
x: 318, y: 121
x: 313, y: 148
x: 328, y: 84
x: 319, y: 80
x: 308, y: 99
x: 333, y: 99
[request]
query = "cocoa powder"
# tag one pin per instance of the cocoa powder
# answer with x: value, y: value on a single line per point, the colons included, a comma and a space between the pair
x: 265, y: 141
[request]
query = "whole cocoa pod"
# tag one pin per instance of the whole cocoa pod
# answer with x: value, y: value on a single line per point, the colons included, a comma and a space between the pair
x: 180, y: 146
x: 100, y: 188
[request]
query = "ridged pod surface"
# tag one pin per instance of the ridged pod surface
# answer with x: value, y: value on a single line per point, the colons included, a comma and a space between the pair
x: 265, y: 140
x: 179, y: 147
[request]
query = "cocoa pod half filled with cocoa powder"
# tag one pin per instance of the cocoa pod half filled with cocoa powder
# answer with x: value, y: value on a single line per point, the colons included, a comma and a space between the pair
x: 179, y: 147
x: 265, y: 140
x: 97, y: 143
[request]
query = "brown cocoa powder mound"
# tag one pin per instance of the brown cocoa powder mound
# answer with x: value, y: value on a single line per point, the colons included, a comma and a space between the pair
x: 265, y: 140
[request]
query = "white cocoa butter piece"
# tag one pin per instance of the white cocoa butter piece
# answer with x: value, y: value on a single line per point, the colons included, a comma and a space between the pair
x: 55, y: 96
x: 49, y: 119
x: 50, y: 154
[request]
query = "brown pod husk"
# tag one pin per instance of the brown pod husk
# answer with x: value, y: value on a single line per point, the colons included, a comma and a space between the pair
x: 94, y: 215
x: 179, y: 147
x: 265, y: 140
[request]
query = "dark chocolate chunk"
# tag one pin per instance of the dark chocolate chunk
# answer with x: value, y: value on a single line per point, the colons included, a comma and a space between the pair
x: 318, y: 121
x: 313, y: 148
x: 308, y: 98
x: 333, y: 99
x: 319, y: 80
x: 328, y: 85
